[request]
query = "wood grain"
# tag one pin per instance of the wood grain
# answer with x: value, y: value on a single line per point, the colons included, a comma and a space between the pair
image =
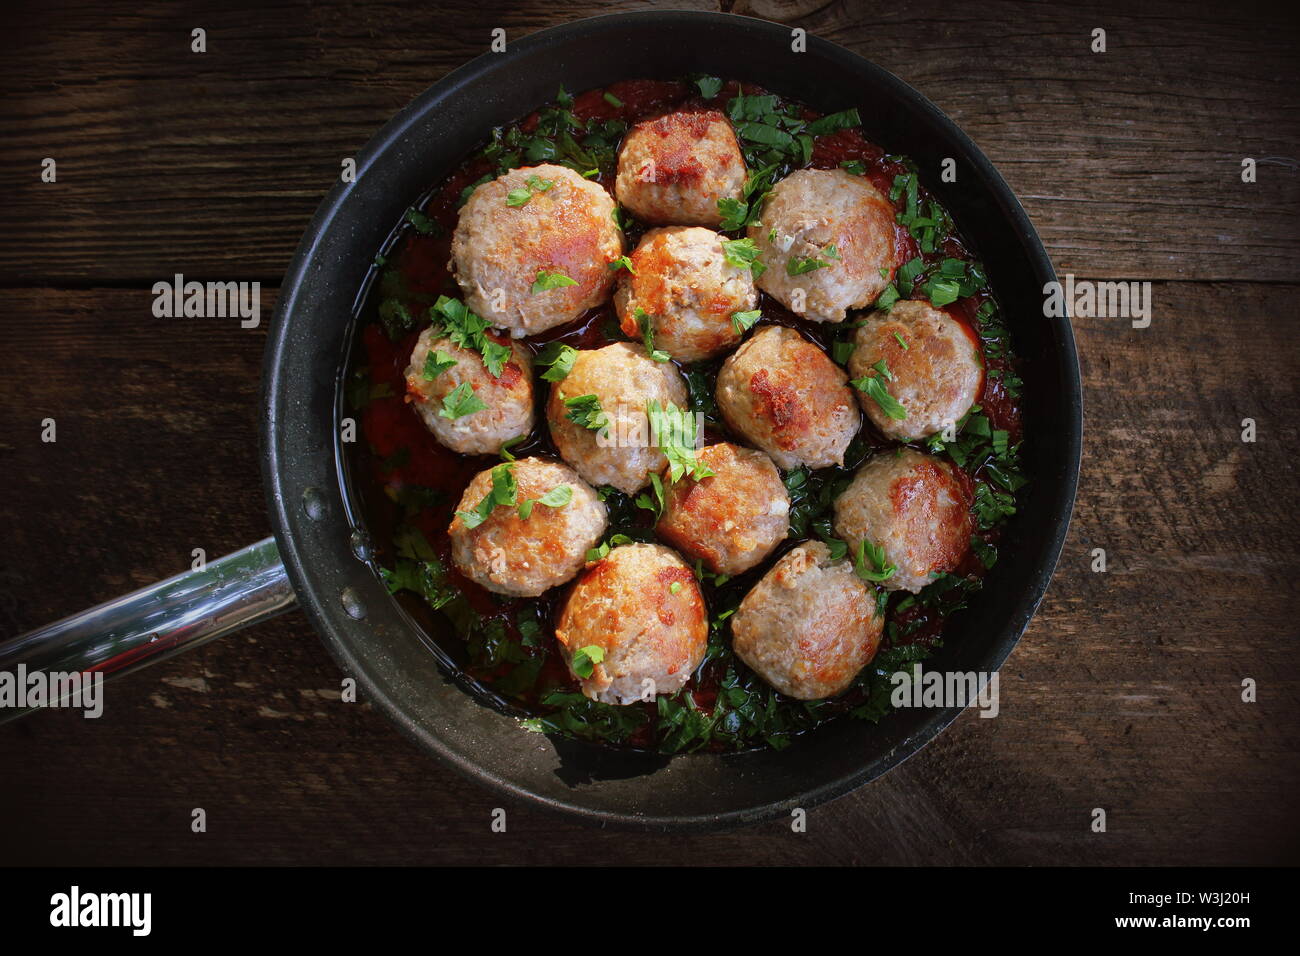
x: 211, y: 164
x: 1124, y: 693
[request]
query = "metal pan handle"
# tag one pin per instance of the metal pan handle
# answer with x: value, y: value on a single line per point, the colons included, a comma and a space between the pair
x: 149, y: 625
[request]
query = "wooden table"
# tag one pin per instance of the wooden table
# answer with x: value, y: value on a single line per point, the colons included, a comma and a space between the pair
x: 1125, y: 692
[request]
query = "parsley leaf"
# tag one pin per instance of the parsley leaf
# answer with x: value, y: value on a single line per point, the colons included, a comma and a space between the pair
x: 505, y: 491
x: 646, y: 326
x: 709, y: 86
x: 585, y: 659
x: 557, y: 497
x: 559, y: 357
x: 585, y: 410
x: 742, y: 322
x: 743, y: 254
x: 873, y: 385
x: 546, y: 281
x: 461, y: 401
x: 878, y: 569
x: 435, y: 363
x: 799, y: 265
x: 832, y: 122
x: 672, y: 431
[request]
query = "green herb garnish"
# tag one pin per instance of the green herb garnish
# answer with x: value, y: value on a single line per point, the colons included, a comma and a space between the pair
x: 435, y: 363
x: 461, y: 401
x: 546, y: 281
x: 559, y: 359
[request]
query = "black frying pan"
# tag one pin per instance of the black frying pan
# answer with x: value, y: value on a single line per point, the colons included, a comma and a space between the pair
x: 323, y: 545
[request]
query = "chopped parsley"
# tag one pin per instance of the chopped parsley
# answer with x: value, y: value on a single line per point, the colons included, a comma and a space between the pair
x: 672, y: 431
x: 742, y: 322
x: 799, y: 265
x: 558, y: 137
x: 874, y: 386
x: 522, y: 195
x: 546, y: 281
x: 418, y: 569
x: 833, y: 122
x: 645, y: 324
x: 743, y: 254
x: 422, y: 223
x: 505, y: 491
x: 869, y: 562
x: 601, y: 551
x: 557, y: 497
x: 709, y: 86
x: 585, y: 411
x: 655, y: 504
x: 559, y: 359
x: 469, y: 331
x: 435, y: 363
x: 461, y: 401
x: 887, y: 298
x: 505, y: 452
x: 738, y: 213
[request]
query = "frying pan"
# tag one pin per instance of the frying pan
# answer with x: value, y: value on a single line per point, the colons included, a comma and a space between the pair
x: 320, y: 554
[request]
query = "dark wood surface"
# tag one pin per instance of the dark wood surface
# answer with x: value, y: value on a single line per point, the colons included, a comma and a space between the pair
x: 1125, y: 691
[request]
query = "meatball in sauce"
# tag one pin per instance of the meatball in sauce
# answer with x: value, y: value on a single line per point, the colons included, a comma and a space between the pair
x: 682, y: 286
x: 674, y: 169
x: 532, y: 248
x: 784, y: 395
x: 641, y: 606
x: 914, y: 506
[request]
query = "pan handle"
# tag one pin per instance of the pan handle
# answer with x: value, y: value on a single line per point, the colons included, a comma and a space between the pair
x: 146, y: 626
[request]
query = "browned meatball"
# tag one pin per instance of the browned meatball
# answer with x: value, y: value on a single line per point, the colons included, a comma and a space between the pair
x: 687, y: 291
x: 507, y: 398
x: 809, y: 626
x: 675, y: 168
x: 519, y: 556
x: 732, y: 520
x: 642, y: 607
x: 829, y: 242
x: 513, y: 260
x: 618, y: 380
x: 914, y: 506
x: 785, y: 396
x: 933, y: 364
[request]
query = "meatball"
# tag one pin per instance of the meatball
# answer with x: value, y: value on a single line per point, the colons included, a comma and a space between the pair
x: 914, y: 506
x: 688, y: 292
x: 934, y: 368
x: 809, y: 626
x: 784, y: 395
x: 732, y: 520
x: 829, y: 242
x: 675, y: 168
x: 643, y: 608
x: 610, y: 388
x: 522, y: 557
x: 514, y: 259
x: 508, y: 396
